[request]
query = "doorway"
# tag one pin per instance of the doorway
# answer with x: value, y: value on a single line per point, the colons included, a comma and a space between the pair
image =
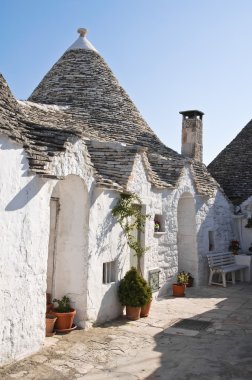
x: 68, y: 244
x: 54, y: 214
x: 186, y: 237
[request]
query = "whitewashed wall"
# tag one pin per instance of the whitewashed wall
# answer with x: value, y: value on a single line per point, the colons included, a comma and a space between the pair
x: 70, y: 248
x: 106, y: 243
x: 243, y: 234
x: 24, y: 227
x: 214, y: 214
x: 24, y: 237
x: 210, y: 214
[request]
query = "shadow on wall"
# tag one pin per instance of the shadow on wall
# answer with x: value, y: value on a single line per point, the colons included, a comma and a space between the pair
x: 214, y: 234
x: 105, y: 230
x: 25, y: 195
x: 221, y: 351
x: 110, y: 306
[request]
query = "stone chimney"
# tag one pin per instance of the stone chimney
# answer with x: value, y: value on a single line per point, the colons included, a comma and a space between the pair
x: 192, y: 134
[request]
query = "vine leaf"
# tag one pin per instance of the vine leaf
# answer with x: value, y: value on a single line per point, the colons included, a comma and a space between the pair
x: 130, y: 217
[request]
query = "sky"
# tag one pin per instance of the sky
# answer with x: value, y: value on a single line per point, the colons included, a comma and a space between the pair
x: 169, y: 55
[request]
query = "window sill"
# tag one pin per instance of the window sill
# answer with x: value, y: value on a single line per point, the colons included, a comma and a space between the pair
x: 109, y: 283
x: 159, y: 233
x: 238, y: 216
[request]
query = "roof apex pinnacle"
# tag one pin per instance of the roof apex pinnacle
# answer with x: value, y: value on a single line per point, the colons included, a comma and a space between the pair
x: 82, y: 32
x: 82, y: 42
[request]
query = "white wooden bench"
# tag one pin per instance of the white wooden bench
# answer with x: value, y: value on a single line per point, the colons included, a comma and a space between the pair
x: 222, y: 263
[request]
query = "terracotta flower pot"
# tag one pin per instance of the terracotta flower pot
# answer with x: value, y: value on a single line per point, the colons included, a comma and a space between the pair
x: 48, y: 298
x: 64, y: 320
x: 145, y: 310
x: 178, y: 290
x: 49, y: 307
x: 133, y: 313
x: 50, y: 322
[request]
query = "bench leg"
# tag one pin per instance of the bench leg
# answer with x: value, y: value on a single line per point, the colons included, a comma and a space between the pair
x: 241, y: 275
x: 224, y: 279
x: 233, y: 278
x: 210, y: 277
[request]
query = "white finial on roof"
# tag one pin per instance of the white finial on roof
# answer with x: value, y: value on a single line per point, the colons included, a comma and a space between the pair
x: 82, y: 31
x: 82, y: 42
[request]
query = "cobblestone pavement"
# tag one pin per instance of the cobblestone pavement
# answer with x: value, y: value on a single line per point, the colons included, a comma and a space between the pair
x: 151, y: 348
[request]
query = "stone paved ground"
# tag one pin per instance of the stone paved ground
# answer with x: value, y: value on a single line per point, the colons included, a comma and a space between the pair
x: 151, y: 348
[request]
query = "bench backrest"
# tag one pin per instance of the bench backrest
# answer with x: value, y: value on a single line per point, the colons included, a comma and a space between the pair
x: 216, y: 260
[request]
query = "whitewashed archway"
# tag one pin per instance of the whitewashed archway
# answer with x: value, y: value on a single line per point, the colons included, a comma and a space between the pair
x: 68, y: 243
x: 186, y: 238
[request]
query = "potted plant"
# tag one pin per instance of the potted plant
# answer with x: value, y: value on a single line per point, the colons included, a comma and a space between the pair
x: 156, y: 226
x: 179, y: 287
x: 234, y: 246
x: 249, y: 223
x: 134, y: 293
x: 50, y: 322
x: 145, y: 309
x: 190, y: 280
x: 49, y: 304
x: 64, y: 313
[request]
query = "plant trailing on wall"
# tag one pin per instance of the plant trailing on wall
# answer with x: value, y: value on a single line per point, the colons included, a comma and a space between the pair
x: 130, y: 217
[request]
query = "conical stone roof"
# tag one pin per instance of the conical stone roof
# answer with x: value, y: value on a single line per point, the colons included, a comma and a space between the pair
x: 81, y: 98
x: 83, y: 81
x: 232, y: 168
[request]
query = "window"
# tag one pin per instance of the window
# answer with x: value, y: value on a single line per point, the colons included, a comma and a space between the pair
x: 211, y: 246
x: 109, y: 272
x: 154, y: 279
x: 159, y: 223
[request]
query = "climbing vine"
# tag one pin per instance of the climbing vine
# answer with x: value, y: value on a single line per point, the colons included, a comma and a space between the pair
x: 130, y: 217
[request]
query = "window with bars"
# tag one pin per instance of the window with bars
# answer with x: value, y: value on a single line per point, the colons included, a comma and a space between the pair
x: 109, y: 272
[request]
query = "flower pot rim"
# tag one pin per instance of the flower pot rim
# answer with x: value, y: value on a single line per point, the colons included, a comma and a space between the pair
x: 72, y: 311
x: 50, y: 316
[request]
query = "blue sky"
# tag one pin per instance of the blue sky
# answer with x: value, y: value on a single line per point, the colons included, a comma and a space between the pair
x: 169, y: 55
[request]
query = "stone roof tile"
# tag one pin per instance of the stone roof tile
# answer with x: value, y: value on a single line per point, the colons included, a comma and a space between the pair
x: 80, y: 97
x: 232, y: 167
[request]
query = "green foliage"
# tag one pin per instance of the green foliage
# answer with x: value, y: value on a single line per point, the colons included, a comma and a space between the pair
x: 234, y: 245
x: 182, y: 278
x: 130, y: 218
x: 249, y: 223
x: 63, y: 305
x: 134, y: 290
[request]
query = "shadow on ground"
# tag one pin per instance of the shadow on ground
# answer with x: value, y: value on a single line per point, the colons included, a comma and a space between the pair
x: 222, y: 350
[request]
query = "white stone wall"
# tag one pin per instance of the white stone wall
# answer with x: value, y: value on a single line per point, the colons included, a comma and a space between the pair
x: 70, y: 248
x: 213, y: 214
x: 106, y: 244
x: 24, y: 237
x: 24, y: 227
x: 243, y: 234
